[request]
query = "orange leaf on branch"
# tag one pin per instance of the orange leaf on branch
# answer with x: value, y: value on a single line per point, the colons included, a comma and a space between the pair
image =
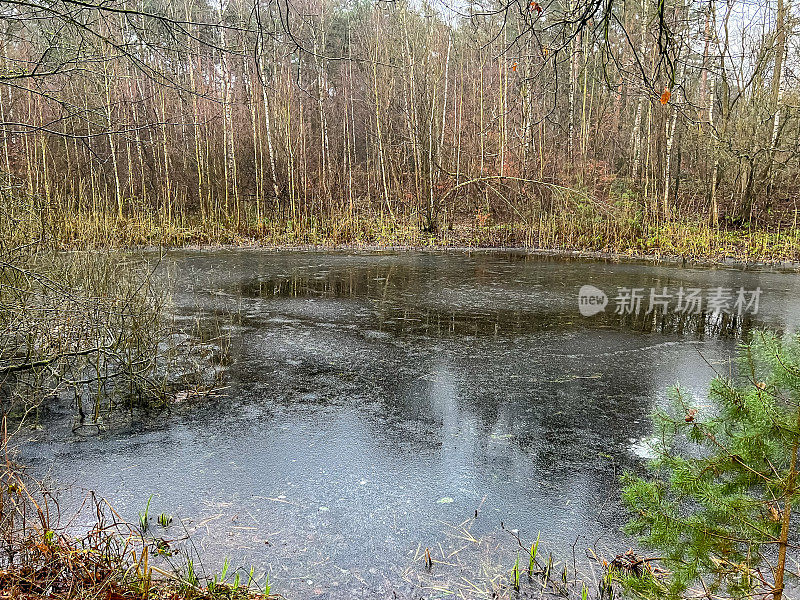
x: 665, y: 96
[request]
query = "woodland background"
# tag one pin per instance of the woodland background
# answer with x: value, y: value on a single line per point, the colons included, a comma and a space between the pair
x: 642, y: 126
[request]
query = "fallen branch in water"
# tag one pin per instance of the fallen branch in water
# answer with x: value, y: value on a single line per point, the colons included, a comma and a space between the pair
x: 28, y: 366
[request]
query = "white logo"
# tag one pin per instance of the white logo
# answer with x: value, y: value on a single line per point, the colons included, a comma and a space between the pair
x: 591, y: 300
x: 682, y: 301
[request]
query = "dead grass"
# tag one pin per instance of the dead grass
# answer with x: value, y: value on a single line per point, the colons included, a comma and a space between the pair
x: 95, y: 554
x: 616, y: 233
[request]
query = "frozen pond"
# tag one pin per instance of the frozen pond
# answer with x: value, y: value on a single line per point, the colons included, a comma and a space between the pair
x: 372, y: 399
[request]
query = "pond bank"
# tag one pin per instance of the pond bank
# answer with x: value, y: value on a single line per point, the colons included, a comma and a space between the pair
x: 675, y: 241
x: 94, y: 553
x: 788, y: 265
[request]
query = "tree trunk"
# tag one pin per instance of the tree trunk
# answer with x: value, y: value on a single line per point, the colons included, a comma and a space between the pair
x: 783, y: 544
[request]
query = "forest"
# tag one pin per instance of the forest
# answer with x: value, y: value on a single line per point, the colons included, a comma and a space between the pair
x: 647, y: 127
x: 293, y: 299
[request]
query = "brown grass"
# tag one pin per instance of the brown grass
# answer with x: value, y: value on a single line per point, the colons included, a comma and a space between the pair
x: 43, y: 555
